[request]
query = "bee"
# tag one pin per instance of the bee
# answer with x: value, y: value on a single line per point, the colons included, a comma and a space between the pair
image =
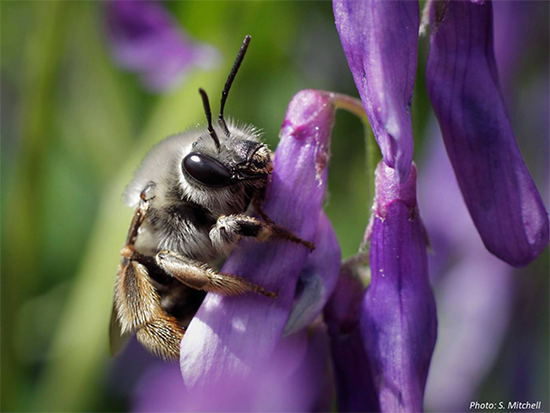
x: 192, y: 195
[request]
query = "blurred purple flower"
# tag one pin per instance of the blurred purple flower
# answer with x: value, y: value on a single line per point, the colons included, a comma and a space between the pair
x: 145, y: 39
x: 476, y: 299
x: 380, y: 40
x: 473, y: 288
x: 230, y: 337
x: 462, y: 83
x: 513, y: 33
x: 398, y: 316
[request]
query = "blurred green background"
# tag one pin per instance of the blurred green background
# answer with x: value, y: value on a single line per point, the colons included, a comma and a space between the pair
x: 74, y: 127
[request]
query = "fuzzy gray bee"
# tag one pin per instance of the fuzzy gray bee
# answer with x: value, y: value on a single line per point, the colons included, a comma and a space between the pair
x: 190, y: 194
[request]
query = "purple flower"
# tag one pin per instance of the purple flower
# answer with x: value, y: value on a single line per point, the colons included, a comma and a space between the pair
x: 317, y: 279
x: 295, y: 378
x: 230, y: 337
x: 398, y: 316
x: 380, y: 40
x: 355, y: 389
x: 476, y: 302
x: 474, y: 289
x: 513, y: 34
x: 462, y: 82
x: 145, y: 39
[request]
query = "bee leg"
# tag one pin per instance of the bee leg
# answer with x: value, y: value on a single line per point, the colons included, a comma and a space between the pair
x: 139, y: 309
x: 139, y: 217
x: 257, y: 203
x: 137, y: 302
x: 200, y: 277
x: 229, y: 229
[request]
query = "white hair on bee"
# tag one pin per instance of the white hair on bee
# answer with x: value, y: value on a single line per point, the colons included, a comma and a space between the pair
x: 162, y: 165
x: 243, y: 130
x: 159, y: 163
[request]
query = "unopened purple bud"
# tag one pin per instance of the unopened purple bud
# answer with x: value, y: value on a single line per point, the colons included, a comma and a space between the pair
x: 463, y: 85
x: 230, y: 337
x: 144, y: 38
x: 380, y: 40
x: 398, y: 316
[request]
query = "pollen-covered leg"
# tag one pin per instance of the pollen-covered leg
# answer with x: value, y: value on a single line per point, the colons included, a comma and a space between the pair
x: 162, y: 337
x: 229, y: 230
x: 201, y: 277
x: 137, y: 303
x: 138, y: 309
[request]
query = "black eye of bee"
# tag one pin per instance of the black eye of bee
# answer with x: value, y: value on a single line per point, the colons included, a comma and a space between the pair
x: 206, y: 170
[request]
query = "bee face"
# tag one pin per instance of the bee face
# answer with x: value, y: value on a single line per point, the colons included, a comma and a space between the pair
x: 237, y: 161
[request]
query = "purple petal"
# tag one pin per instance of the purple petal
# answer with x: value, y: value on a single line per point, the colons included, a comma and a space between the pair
x: 380, y: 40
x: 398, y: 318
x: 159, y: 390
x: 296, y: 378
x: 144, y: 38
x: 317, y: 279
x: 463, y: 86
x: 229, y: 336
x: 354, y: 384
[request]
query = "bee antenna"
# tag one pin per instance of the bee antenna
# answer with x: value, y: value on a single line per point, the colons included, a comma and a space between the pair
x: 208, y: 114
x: 230, y: 79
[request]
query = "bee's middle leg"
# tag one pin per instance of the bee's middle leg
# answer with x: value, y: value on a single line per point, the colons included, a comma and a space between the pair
x: 230, y: 228
x: 200, y: 277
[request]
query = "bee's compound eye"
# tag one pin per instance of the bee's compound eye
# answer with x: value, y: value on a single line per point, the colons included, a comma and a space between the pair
x: 206, y: 170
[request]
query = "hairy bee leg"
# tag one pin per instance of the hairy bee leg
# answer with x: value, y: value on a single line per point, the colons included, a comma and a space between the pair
x: 162, y: 337
x: 229, y: 229
x: 137, y: 302
x: 199, y: 276
x: 139, y: 309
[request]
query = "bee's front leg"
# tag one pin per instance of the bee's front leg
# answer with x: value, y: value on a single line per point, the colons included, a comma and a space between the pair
x: 201, y: 277
x: 229, y: 229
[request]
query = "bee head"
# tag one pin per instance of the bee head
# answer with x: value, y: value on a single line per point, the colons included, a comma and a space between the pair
x: 238, y: 161
x: 239, y: 157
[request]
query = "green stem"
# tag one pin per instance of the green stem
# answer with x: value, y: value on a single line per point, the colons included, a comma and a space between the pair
x: 373, y: 155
